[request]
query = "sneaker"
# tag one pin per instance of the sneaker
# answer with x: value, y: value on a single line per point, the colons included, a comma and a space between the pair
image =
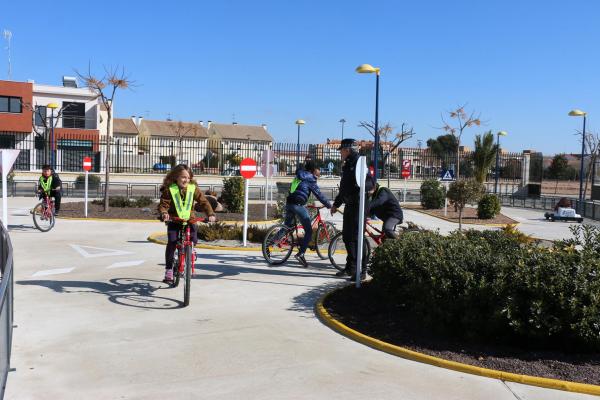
x: 343, y: 272
x: 56, y: 213
x: 301, y: 260
x: 168, y: 276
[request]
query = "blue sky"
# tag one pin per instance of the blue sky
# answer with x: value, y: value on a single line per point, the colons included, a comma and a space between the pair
x: 521, y: 64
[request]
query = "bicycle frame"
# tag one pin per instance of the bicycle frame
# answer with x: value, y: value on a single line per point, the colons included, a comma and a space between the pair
x: 48, y: 206
x: 184, y: 239
x: 314, y: 223
x: 378, y: 236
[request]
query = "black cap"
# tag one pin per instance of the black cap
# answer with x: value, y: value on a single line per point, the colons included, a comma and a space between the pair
x: 347, y: 143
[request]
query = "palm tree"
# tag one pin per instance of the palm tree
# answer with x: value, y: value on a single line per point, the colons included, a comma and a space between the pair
x: 484, y: 155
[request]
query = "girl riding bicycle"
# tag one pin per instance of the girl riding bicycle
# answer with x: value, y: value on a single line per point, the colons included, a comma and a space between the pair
x: 179, y: 192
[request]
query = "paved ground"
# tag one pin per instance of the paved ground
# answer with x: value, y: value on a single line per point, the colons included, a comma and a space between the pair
x: 94, y: 321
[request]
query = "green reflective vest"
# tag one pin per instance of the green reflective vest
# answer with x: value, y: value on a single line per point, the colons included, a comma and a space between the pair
x: 47, y: 185
x: 183, y: 208
x: 295, y: 183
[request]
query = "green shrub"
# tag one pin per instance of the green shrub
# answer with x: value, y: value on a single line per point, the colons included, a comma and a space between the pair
x: 432, y: 194
x: 488, y: 285
x: 462, y: 192
x: 143, y: 201
x: 221, y: 231
x: 93, y: 181
x: 488, y: 206
x: 233, y: 194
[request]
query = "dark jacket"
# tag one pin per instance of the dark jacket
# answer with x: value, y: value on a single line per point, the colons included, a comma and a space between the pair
x: 349, y: 191
x: 56, y: 182
x: 308, y: 185
x: 384, y: 205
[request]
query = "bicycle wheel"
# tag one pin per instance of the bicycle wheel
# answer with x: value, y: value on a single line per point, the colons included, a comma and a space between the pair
x: 325, y: 233
x: 278, y: 244
x: 337, y: 252
x: 188, y: 276
x: 42, y: 220
x: 176, y: 275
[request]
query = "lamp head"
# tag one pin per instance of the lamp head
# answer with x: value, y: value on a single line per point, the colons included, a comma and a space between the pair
x: 300, y: 122
x: 367, y: 69
x: 52, y: 106
x: 502, y: 133
x: 577, y: 113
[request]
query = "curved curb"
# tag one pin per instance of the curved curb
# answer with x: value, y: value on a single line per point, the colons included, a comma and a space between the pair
x: 515, y: 223
x: 154, y: 239
x: 557, y: 384
x: 270, y: 221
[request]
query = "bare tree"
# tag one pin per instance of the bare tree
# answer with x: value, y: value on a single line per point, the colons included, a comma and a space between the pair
x: 106, y: 88
x: 184, y: 130
x: 47, y: 124
x: 592, y: 144
x: 391, y: 141
x: 464, y: 120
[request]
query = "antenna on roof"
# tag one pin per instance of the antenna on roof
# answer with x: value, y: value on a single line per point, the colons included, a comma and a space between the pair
x: 169, y: 117
x: 233, y: 119
x: 8, y: 36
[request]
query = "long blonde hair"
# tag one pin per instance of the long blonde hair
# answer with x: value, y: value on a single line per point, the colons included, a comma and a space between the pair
x: 174, y: 173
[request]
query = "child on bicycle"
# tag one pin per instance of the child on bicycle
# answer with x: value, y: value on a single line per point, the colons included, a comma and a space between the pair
x: 302, y: 186
x: 50, y: 185
x: 179, y: 192
x: 386, y: 207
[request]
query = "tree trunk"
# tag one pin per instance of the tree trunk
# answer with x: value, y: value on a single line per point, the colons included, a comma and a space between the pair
x: 107, y: 160
x: 460, y: 210
x: 458, y: 161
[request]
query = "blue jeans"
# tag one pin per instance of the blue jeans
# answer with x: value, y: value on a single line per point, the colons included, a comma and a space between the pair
x: 294, y: 210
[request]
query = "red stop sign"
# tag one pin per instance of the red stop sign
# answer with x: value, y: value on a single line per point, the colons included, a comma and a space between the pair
x: 248, y: 168
x: 87, y: 163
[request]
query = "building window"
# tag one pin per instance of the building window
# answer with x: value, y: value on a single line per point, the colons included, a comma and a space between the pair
x: 40, y: 115
x: 10, y: 104
x: 73, y: 115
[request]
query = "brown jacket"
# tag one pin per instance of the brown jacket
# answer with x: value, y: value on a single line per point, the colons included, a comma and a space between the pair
x: 166, y: 203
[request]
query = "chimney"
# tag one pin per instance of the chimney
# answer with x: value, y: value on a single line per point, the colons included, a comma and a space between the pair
x: 208, y: 124
x: 140, y: 121
x: 234, y: 123
x: 264, y: 126
x: 134, y: 119
x: 201, y: 123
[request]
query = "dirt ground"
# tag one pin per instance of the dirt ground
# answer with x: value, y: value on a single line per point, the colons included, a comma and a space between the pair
x: 362, y: 310
x: 76, y: 210
x: 469, y: 216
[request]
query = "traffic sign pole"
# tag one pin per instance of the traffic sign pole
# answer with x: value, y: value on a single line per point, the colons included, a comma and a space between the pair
x: 361, y: 174
x: 246, y: 210
x: 87, y: 166
x: 248, y: 170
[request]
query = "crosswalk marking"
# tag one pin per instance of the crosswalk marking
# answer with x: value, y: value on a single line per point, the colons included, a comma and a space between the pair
x: 126, y: 264
x: 55, y: 271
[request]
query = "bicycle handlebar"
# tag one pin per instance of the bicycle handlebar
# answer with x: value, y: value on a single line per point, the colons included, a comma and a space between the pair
x: 189, y: 221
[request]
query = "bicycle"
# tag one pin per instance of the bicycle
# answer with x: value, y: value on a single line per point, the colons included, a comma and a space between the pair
x: 43, y: 214
x: 337, y: 249
x: 280, y: 240
x: 185, y: 258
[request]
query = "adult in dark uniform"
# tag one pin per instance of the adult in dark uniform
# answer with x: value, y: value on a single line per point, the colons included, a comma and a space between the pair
x: 349, y: 195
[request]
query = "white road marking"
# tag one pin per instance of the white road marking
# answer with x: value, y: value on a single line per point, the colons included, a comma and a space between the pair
x: 53, y: 271
x: 126, y: 264
x: 93, y: 252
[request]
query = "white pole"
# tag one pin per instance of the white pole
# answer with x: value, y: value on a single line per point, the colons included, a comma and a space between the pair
x: 267, y: 164
x: 361, y: 218
x: 446, y: 200
x: 246, y: 211
x: 405, y: 188
x: 4, y: 199
x: 85, y: 209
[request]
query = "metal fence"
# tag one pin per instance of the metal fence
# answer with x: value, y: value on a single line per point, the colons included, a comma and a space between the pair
x: 6, y: 305
x: 156, y: 155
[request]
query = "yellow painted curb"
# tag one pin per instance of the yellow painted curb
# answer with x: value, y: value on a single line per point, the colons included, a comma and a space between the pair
x: 453, y: 365
x: 153, y: 238
x: 272, y: 221
x: 465, y: 223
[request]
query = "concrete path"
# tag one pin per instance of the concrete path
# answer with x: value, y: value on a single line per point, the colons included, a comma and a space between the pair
x: 95, y: 322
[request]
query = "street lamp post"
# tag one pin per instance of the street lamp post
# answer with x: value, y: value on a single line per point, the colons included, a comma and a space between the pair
x: 369, y: 69
x: 342, y: 121
x: 579, y: 113
x: 52, y: 107
x: 298, y: 122
x: 501, y: 133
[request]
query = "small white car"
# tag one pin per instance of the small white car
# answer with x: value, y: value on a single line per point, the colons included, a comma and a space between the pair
x: 564, y: 214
